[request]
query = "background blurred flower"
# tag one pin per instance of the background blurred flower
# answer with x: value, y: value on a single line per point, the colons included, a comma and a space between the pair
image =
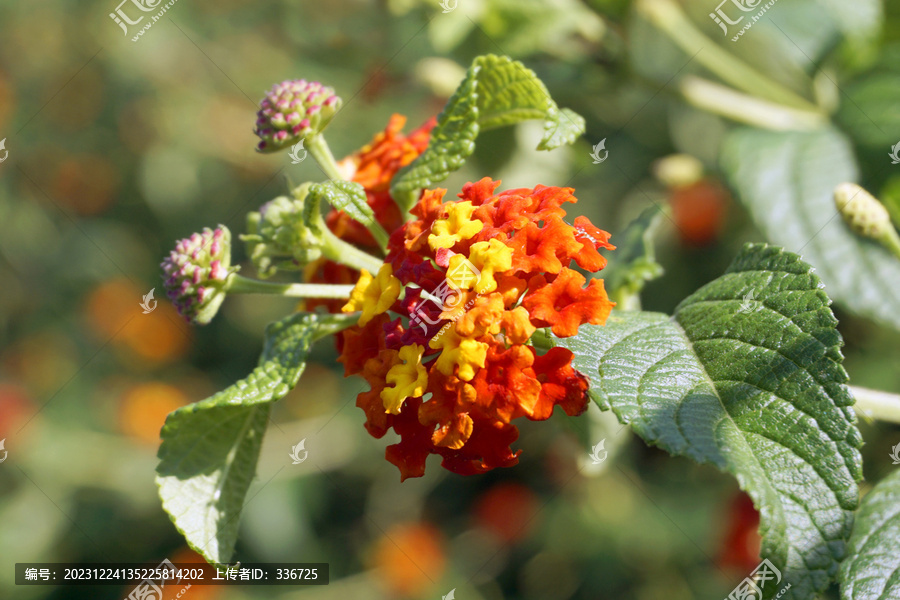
x: 510, y: 511
x: 410, y: 558
x: 143, y: 409
x: 113, y: 312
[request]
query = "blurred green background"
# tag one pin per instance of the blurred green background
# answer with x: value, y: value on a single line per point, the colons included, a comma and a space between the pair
x: 117, y: 148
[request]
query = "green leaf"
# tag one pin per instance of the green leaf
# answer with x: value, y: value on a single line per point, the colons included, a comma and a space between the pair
x: 560, y: 129
x: 635, y: 258
x: 497, y: 91
x: 787, y: 181
x: 210, y: 448
x: 452, y: 142
x: 872, y: 569
x: 746, y: 376
x: 347, y: 196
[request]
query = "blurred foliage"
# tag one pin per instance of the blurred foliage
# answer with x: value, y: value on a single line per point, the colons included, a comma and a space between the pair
x: 117, y: 148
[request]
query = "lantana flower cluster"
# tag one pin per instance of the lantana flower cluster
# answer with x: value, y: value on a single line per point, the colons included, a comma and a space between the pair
x: 443, y: 335
x: 442, y: 327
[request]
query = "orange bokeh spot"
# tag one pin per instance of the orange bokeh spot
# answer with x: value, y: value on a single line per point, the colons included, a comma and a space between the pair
x: 143, y: 409
x: 15, y: 409
x: 410, y: 558
x: 87, y: 184
x: 742, y: 543
x: 699, y: 211
x: 508, y: 511
x: 113, y: 311
x: 7, y: 99
x: 195, y: 592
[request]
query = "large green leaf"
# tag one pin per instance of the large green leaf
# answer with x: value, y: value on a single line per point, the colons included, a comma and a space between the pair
x: 787, y: 182
x: 210, y: 448
x: 496, y: 91
x: 872, y: 569
x: 746, y: 376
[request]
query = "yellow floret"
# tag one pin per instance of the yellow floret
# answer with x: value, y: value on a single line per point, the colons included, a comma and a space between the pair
x: 374, y: 296
x: 488, y: 258
x: 466, y: 353
x: 458, y: 226
x: 408, y: 378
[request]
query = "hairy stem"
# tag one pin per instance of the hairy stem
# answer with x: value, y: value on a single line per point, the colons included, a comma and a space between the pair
x: 318, y: 148
x: 340, y: 251
x: 730, y: 103
x: 244, y: 285
x: 334, y: 323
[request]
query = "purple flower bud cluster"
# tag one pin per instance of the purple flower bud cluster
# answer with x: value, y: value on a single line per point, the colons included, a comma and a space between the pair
x: 292, y: 111
x: 198, y: 272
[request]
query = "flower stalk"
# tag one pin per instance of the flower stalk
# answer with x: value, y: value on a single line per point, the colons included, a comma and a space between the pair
x: 669, y: 17
x: 319, y: 150
x: 744, y: 108
x: 875, y: 404
x: 244, y: 285
x: 340, y: 251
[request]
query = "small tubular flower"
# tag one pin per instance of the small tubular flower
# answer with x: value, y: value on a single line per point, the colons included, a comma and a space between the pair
x: 458, y: 351
x: 446, y: 349
x: 459, y: 225
x: 564, y: 303
x: 487, y: 258
x: 405, y: 379
x: 198, y: 272
x: 373, y: 295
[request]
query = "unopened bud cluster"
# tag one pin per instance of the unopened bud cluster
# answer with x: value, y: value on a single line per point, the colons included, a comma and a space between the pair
x: 198, y: 272
x: 294, y: 110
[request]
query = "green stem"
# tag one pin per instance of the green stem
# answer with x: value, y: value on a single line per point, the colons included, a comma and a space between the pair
x: 340, y: 251
x: 876, y: 404
x: 245, y: 285
x: 730, y: 103
x: 334, y: 323
x: 668, y: 16
x: 381, y: 236
x: 318, y: 148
